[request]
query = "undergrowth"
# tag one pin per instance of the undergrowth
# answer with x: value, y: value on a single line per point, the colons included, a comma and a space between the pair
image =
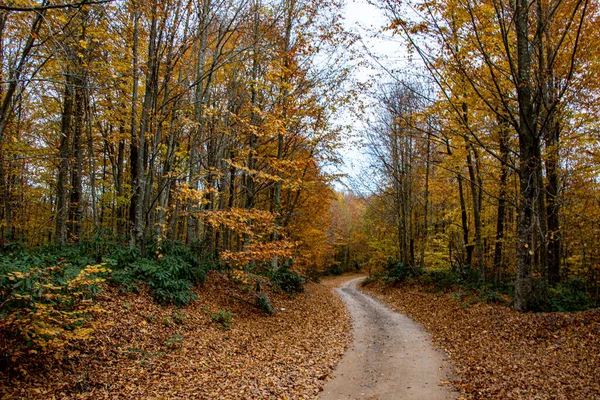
x: 49, y: 306
x: 169, y: 268
x: 570, y: 295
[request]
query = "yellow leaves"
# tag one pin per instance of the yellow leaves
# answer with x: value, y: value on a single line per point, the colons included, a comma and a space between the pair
x: 187, y: 194
x: 251, y: 222
x: 49, y: 312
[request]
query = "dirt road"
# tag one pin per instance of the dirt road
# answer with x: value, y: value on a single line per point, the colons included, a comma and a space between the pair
x: 391, y: 356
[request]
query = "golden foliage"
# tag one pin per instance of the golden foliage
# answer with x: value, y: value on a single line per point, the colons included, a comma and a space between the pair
x: 48, y: 309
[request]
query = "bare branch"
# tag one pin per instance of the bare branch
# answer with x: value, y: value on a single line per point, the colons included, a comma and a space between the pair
x: 4, y: 7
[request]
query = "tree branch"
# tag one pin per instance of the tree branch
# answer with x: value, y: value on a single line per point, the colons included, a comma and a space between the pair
x: 52, y: 6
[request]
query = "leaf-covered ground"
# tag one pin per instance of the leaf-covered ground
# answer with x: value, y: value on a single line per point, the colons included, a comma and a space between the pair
x: 502, y: 354
x: 149, y: 351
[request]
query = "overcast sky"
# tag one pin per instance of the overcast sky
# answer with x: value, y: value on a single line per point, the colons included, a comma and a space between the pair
x: 378, y: 49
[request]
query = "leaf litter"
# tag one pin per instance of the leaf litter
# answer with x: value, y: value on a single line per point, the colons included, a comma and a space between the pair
x: 144, y: 350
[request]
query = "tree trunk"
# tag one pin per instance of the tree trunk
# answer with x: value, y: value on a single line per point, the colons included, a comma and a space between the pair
x: 552, y: 204
x: 76, y: 198
x: 135, y: 144
x: 528, y: 148
x: 60, y: 236
x: 502, y: 199
x: 426, y: 205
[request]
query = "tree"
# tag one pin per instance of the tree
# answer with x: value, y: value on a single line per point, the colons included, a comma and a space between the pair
x: 511, y: 72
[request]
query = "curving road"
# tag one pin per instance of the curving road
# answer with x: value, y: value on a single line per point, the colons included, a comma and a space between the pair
x: 391, y: 356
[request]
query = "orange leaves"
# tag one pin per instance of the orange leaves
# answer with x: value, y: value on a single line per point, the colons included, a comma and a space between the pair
x: 183, y: 354
x: 252, y: 222
x: 261, y: 252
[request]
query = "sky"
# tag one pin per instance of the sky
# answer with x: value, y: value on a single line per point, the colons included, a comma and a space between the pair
x: 379, y: 49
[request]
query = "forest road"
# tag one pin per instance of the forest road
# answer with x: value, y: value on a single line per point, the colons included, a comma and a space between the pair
x: 391, y: 356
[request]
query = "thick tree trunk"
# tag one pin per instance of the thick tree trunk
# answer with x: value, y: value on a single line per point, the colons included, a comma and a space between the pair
x: 528, y: 149
x: 502, y: 200
x: 60, y: 236
x: 476, y: 212
x: 135, y: 144
x: 76, y: 198
x: 464, y: 220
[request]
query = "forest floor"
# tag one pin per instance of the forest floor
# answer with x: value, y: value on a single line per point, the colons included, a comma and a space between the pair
x: 144, y: 350
x: 502, y: 354
x: 391, y: 356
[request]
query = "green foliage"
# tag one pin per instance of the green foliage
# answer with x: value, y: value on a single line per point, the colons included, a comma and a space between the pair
x: 263, y: 302
x: 370, y: 279
x: 570, y: 295
x: 335, y: 269
x: 223, y: 318
x: 397, y: 272
x: 171, y: 270
x: 50, y: 306
x: 175, y: 341
x: 442, y: 279
x: 287, y: 279
x: 167, y: 280
x: 179, y: 318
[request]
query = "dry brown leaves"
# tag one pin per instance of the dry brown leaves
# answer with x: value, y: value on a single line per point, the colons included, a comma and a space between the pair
x: 149, y: 351
x: 502, y: 354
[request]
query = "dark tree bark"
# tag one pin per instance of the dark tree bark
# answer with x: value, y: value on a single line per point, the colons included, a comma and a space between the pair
x: 502, y: 200
x: 62, y: 181
x: 76, y: 198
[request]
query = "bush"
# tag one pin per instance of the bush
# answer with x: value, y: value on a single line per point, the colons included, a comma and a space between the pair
x: 334, y: 270
x: 570, y: 295
x: 369, y: 279
x: 223, y: 318
x: 287, y: 279
x: 171, y: 270
x: 50, y: 306
x: 397, y: 272
x: 441, y: 279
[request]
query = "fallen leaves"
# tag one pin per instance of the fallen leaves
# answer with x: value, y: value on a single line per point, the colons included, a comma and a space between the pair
x: 502, y: 354
x: 151, y: 351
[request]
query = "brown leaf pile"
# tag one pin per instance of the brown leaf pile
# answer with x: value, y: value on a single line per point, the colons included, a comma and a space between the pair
x: 149, y: 351
x: 502, y: 354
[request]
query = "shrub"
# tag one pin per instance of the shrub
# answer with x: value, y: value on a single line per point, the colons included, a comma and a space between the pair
x: 287, y: 279
x: 171, y: 270
x: 370, y: 279
x: 48, y: 307
x: 570, y: 295
x: 223, y: 318
x: 441, y: 279
x: 334, y: 269
x: 397, y: 272
x: 168, y: 280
